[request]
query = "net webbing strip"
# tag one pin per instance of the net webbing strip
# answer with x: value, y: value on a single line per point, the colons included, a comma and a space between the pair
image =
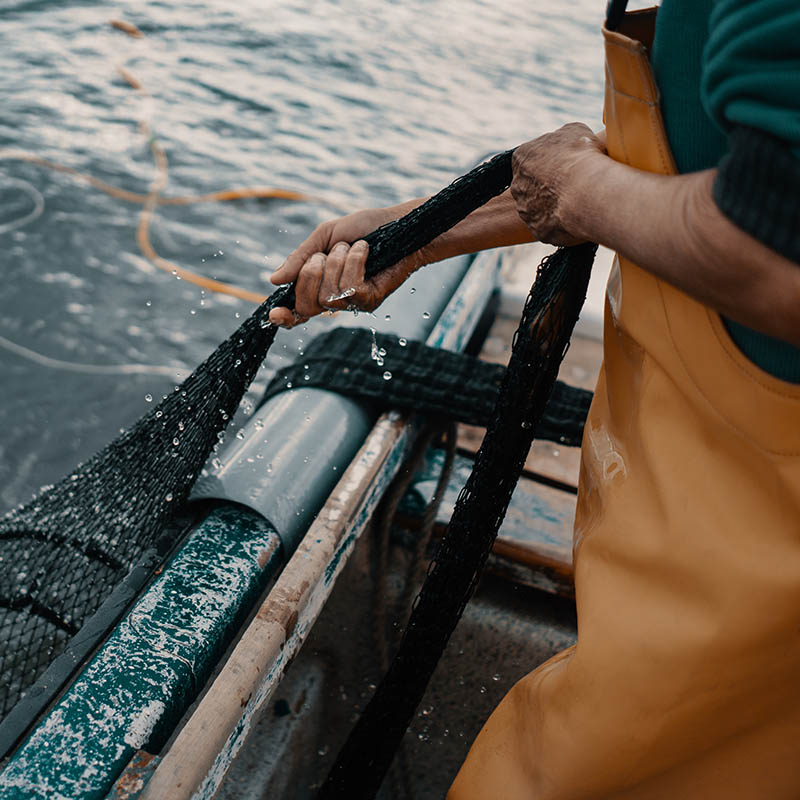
x: 424, y: 379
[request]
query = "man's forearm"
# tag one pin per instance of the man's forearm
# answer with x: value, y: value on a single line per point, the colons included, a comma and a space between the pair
x: 670, y: 226
x: 495, y: 224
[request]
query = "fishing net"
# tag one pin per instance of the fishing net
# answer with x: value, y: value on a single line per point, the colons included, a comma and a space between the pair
x: 539, y: 346
x: 424, y: 379
x: 62, y: 554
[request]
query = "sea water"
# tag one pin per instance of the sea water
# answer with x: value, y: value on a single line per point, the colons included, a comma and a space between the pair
x: 369, y: 103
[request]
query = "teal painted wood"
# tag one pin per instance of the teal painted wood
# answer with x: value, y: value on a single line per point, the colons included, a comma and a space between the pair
x: 140, y: 682
x: 538, y: 515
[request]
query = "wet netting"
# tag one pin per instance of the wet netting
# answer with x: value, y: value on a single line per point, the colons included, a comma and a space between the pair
x: 425, y: 379
x: 63, y: 553
x: 540, y: 343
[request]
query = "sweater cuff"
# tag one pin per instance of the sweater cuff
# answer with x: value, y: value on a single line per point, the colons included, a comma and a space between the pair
x: 758, y: 189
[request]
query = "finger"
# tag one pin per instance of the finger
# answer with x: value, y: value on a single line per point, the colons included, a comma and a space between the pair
x: 334, y: 264
x: 282, y: 316
x: 355, y: 264
x: 290, y: 269
x: 371, y: 293
x: 285, y: 317
x: 308, y: 283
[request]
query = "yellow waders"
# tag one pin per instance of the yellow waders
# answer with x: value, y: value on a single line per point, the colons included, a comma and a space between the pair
x: 685, y: 681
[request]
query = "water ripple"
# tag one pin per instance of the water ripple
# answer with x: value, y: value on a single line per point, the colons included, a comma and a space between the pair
x: 372, y: 102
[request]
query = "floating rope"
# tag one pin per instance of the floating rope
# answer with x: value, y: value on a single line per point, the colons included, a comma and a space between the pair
x: 178, y: 372
x: 38, y: 204
x: 154, y: 197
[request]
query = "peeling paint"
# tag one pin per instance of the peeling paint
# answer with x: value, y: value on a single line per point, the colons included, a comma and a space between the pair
x: 142, y: 679
x: 143, y: 723
x: 133, y: 779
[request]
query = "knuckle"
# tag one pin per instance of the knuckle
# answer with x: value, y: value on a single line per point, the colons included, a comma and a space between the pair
x: 315, y: 265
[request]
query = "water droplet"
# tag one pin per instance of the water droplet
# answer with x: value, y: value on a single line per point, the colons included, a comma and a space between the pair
x: 413, y: 289
x: 175, y: 442
x: 402, y: 342
x: 168, y: 497
x: 216, y: 463
x: 526, y: 425
x: 148, y: 303
x: 259, y: 423
x: 426, y: 315
x: 483, y: 690
x: 306, y: 377
x: 427, y: 711
x: 159, y: 414
x: 192, y: 311
x: 387, y: 376
x: 148, y: 398
x: 181, y: 426
x: 388, y: 317
x: 323, y: 751
x: 240, y: 433
x: 288, y: 384
x: 496, y: 676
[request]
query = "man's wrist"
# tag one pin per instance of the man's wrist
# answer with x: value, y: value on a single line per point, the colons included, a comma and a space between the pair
x: 582, y: 208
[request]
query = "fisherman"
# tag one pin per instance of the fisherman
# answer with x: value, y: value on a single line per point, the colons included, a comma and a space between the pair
x: 684, y: 680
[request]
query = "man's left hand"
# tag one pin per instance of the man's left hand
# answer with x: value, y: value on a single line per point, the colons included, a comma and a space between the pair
x: 548, y: 175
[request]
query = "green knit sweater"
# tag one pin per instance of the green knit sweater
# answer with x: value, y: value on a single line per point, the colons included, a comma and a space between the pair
x: 720, y: 64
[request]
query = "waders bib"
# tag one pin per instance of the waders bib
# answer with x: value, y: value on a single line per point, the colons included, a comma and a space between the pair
x: 685, y: 681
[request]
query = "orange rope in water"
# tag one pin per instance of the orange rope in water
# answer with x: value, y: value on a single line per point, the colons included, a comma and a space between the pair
x: 242, y: 193
x: 146, y: 217
x: 154, y: 198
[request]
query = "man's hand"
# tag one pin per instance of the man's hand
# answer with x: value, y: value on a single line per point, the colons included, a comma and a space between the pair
x: 330, y: 272
x: 548, y: 175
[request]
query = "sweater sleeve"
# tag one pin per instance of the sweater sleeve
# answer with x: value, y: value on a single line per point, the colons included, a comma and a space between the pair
x: 750, y: 87
x: 751, y: 67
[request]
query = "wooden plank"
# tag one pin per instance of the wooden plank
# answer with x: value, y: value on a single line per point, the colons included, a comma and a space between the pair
x: 534, y: 544
x: 580, y: 368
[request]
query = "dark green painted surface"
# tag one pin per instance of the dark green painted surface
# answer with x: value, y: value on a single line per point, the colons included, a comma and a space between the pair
x: 139, y: 683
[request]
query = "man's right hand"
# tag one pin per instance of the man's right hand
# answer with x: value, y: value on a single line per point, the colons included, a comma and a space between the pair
x: 329, y: 271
